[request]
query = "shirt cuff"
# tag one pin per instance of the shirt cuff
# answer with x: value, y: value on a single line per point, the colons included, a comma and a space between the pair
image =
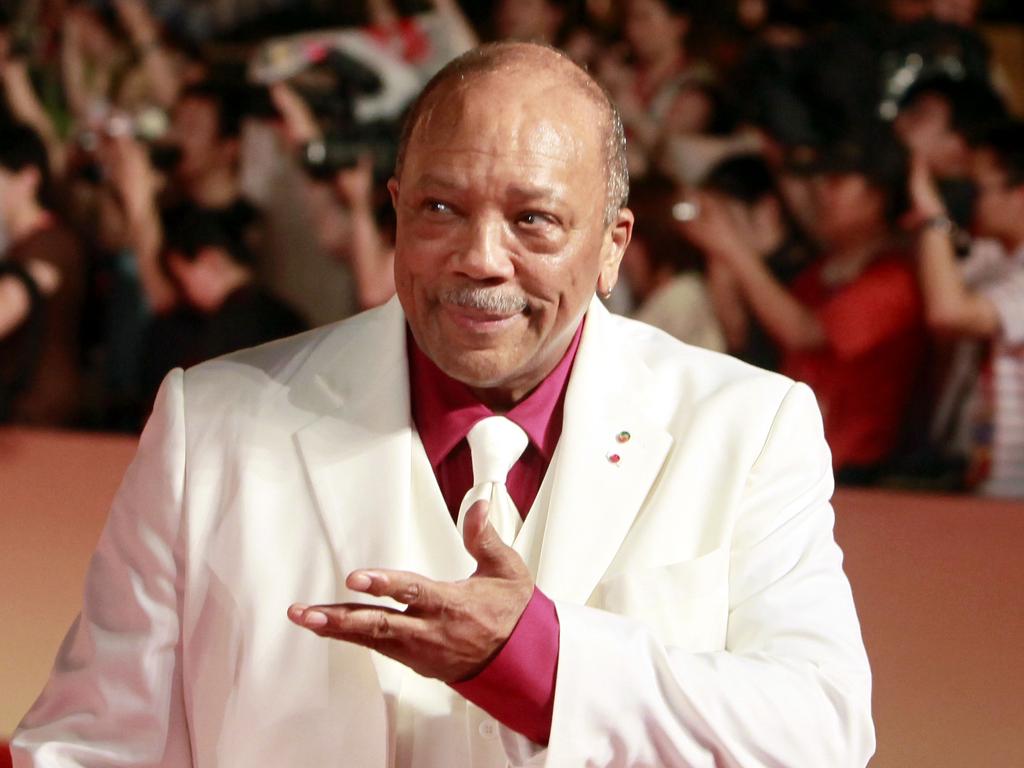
x: 517, y: 687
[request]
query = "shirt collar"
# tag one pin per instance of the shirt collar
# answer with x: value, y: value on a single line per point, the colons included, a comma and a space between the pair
x: 444, y: 409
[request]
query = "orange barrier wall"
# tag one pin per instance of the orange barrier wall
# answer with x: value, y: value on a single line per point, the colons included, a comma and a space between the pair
x: 939, y: 584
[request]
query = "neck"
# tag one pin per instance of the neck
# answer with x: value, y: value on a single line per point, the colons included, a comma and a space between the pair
x: 845, y: 261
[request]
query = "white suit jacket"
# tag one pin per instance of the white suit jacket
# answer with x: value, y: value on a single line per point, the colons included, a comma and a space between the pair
x: 704, y: 615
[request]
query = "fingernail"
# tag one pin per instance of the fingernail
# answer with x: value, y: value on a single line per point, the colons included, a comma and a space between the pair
x: 314, y: 619
x: 359, y: 581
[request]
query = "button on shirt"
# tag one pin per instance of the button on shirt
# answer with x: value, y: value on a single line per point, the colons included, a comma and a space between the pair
x: 518, y: 686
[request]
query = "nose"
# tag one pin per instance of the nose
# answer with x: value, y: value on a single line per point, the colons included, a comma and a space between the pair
x: 484, y: 256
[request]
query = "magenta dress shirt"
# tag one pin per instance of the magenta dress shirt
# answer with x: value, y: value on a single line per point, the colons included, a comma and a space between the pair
x: 517, y: 687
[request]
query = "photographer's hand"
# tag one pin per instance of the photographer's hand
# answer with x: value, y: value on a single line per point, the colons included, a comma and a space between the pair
x: 300, y: 125
x: 925, y: 199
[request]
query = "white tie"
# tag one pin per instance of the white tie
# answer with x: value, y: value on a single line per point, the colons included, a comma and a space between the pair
x: 496, y: 445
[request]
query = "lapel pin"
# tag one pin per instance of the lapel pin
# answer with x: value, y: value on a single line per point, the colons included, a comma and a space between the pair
x: 623, y: 436
x: 614, y: 458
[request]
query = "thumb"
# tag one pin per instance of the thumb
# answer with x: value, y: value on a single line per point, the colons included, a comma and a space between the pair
x: 493, y: 556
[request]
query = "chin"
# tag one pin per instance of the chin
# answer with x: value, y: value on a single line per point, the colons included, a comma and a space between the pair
x: 480, y: 369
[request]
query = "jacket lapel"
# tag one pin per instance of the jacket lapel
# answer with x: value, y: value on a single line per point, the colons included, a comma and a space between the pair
x: 361, y: 457
x: 611, y: 450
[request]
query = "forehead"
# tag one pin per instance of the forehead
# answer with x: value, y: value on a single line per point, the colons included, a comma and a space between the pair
x: 931, y: 105
x: 195, y: 107
x: 528, y: 117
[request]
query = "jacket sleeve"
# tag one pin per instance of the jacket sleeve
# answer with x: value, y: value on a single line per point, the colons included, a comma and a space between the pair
x: 114, y: 696
x: 792, y: 685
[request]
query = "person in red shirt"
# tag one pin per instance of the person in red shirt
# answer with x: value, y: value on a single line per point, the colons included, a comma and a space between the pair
x: 851, y: 325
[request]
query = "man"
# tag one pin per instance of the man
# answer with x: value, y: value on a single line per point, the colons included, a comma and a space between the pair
x: 758, y: 214
x: 940, y: 119
x: 206, y: 128
x: 673, y: 597
x: 850, y: 325
x: 40, y: 376
x: 982, y: 299
x: 533, y: 20
x: 223, y: 308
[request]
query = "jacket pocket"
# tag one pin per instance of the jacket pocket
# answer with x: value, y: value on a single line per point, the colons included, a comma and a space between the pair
x: 686, y: 604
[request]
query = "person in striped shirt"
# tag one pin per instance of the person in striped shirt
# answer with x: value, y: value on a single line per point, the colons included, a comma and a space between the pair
x: 982, y: 298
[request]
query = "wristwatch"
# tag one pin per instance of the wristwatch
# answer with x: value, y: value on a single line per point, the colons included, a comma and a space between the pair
x: 942, y: 223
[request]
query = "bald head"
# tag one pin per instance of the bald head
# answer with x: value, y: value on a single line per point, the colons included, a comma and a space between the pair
x: 531, y: 62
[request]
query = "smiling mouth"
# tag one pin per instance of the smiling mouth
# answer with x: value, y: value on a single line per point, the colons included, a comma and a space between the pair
x: 481, y: 309
x: 479, y: 320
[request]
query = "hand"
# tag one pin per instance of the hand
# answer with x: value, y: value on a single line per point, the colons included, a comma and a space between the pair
x: 355, y: 185
x: 136, y: 19
x: 450, y: 630
x: 925, y: 199
x: 713, y: 230
x: 46, y: 276
x: 300, y: 126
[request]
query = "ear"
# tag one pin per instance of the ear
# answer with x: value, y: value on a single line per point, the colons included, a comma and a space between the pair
x: 393, y: 191
x: 616, y: 240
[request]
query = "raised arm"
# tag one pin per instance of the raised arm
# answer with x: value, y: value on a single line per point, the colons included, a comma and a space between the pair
x: 134, y: 180
x: 950, y: 306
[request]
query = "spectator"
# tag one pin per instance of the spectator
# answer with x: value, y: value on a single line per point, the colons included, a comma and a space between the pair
x: 759, y: 217
x: 850, y: 325
x: 939, y: 119
x: 983, y: 298
x: 347, y: 210
x: 40, y: 349
x: 662, y: 89
x: 222, y: 308
x: 206, y: 128
x: 662, y: 270
x: 539, y: 21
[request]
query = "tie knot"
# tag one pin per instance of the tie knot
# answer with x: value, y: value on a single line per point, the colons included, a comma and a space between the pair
x: 496, y: 443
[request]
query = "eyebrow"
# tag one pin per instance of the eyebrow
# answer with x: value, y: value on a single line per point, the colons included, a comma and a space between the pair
x: 521, y: 192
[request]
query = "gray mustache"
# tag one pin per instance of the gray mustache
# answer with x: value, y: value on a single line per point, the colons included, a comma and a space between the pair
x: 494, y: 300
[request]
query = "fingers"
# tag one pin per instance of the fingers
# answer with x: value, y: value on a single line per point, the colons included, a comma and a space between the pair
x: 493, y: 556
x: 409, y: 588
x: 371, y: 626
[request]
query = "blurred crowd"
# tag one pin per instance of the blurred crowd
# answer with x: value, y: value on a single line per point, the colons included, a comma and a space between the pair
x: 834, y: 191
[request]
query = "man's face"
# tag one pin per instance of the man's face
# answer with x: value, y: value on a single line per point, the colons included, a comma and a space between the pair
x: 196, y: 131
x: 528, y: 20
x: 847, y: 207
x: 652, y: 30
x: 924, y: 126
x: 999, y: 207
x: 501, y: 239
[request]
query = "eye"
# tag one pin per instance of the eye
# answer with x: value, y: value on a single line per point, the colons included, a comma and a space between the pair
x: 437, y: 206
x: 535, y: 220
